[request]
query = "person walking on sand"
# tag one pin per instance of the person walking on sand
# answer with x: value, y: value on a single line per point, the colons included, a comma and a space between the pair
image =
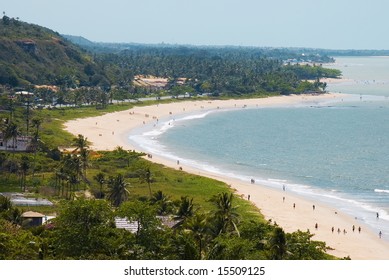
x: 283, y: 187
x: 313, y: 207
x: 316, y: 226
x: 353, y: 228
x: 359, y: 229
x: 294, y: 205
x: 380, y: 234
x: 332, y: 229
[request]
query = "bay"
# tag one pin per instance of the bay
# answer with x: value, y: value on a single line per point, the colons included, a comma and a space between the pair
x: 336, y: 153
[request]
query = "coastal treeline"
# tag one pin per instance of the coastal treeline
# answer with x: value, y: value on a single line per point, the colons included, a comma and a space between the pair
x: 32, y: 56
x: 228, y: 71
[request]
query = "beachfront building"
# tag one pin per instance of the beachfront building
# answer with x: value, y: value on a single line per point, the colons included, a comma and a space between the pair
x: 18, y: 144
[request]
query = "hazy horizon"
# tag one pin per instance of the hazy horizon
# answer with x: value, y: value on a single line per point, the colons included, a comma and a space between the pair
x: 330, y: 24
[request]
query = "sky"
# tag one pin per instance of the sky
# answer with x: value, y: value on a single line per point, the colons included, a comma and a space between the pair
x: 329, y: 24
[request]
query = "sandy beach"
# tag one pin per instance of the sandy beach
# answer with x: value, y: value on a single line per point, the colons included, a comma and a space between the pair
x: 111, y: 130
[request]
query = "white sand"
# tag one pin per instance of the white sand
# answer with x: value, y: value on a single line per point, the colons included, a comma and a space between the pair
x: 111, y: 130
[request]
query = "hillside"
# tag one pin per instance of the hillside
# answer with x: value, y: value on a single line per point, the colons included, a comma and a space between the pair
x: 31, y: 54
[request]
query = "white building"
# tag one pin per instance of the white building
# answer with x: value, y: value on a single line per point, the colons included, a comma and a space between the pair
x: 20, y: 144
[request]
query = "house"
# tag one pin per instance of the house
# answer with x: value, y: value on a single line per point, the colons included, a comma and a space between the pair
x: 19, y: 144
x: 32, y: 219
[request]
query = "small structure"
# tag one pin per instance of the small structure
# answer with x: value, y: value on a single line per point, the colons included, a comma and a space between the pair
x: 133, y: 226
x: 32, y: 219
x: 20, y: 143
x: 126, y: 224
x: 20, y: 200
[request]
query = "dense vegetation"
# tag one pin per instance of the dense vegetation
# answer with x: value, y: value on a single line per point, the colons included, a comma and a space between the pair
x: 31, y: 55
x: 231, y: 71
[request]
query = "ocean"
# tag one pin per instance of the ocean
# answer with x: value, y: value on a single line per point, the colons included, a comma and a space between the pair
x: 335, y: 153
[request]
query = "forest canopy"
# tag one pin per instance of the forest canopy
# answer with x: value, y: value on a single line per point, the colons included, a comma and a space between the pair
x: 34, y: 55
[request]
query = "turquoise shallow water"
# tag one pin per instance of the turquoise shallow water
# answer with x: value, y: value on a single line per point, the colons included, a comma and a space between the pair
x: 336, y: 153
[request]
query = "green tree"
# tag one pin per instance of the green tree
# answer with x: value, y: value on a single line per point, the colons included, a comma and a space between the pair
x: 185, y: 211
x: 118, y: 192
x: 162, y: 202
x: 36, y: 123
x: 278, y: 244
x: 82, y: 145
x: 84, y: 230
x: 302, y: 247
x: 151, y: 237
x: 11, y: 132
x: 197, y: 227
x: 24, y: 167
x: 226, y: 216
x: 100, y: 178
x: 70, y: 172
x: 145, y: 175
x: 227, y: 247
x: 17, y: 243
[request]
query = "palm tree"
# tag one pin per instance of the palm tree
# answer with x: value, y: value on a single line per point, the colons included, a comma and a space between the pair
x: 84, y: 156
x: 185, y: 211
x: 226, y: 215
x: 11, y: 131
x: 36, y: 122
x: 162, y: 201
x: 278, y: 245
x: 100, y: 178
x: 70, y: 171
x: 198, y: 227
x: 81, y: 142
x: 146, y: 176
x: 24, y: 166
x: 118, y: 192
x: 5, y: 203
x: 82, y: 145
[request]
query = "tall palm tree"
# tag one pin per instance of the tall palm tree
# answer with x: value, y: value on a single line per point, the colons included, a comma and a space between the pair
x: 36, y: 122
x: 100, y: 178
x: 82, y: 145
x: 146, y: 176
x: 198, y: 227
x: 226, y: 215
x: 118, y: 191
x: 24, y: 167
x: 70, y: 172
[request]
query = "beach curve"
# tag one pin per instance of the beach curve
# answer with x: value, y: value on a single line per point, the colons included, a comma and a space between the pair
x: 109, y: 131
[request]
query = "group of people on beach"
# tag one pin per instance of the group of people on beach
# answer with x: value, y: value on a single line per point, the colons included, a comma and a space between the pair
x: 333, y: 228
x: 345, y: 231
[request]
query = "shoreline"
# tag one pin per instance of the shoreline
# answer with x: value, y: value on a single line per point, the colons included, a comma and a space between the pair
x: 111, y: 130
